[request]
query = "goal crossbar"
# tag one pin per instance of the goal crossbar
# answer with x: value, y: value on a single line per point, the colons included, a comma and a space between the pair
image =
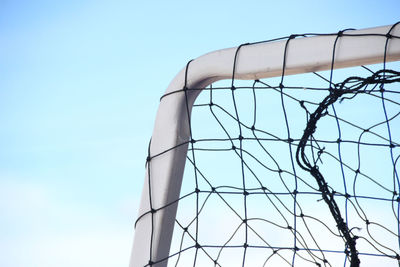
x: 154, y: 227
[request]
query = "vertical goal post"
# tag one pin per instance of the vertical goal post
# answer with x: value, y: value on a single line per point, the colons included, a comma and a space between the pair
x: 171, y: 136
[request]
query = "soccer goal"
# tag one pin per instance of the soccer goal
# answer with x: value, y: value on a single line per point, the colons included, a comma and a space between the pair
x: 278, y: 153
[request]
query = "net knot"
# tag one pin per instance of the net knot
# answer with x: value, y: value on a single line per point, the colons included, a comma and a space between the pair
x: 340, y: 33
x: 335, y: 93
x: 314, y: 169
x: 370, y: 79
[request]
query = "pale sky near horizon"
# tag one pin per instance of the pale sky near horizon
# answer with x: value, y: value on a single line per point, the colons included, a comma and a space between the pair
x: 80, y: 83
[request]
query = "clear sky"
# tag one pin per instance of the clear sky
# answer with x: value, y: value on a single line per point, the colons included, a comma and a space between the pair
x: 80, y: 82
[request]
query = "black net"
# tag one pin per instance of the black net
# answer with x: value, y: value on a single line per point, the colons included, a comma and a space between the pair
x: 298, y: 170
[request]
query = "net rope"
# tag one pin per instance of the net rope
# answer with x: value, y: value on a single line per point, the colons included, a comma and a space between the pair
x: 291, y: 171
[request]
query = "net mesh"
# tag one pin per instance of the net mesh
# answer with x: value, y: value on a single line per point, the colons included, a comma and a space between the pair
x: 298, y: 170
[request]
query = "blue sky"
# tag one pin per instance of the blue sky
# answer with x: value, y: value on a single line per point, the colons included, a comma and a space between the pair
x: 80, y: 82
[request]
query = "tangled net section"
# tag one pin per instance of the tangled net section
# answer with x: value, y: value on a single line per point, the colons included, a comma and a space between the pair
x: 299, y: 170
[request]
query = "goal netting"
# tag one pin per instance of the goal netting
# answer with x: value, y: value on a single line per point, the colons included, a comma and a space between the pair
x: 292, y: 170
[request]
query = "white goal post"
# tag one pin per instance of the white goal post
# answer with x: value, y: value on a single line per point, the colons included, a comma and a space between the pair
x: 154, y: 228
